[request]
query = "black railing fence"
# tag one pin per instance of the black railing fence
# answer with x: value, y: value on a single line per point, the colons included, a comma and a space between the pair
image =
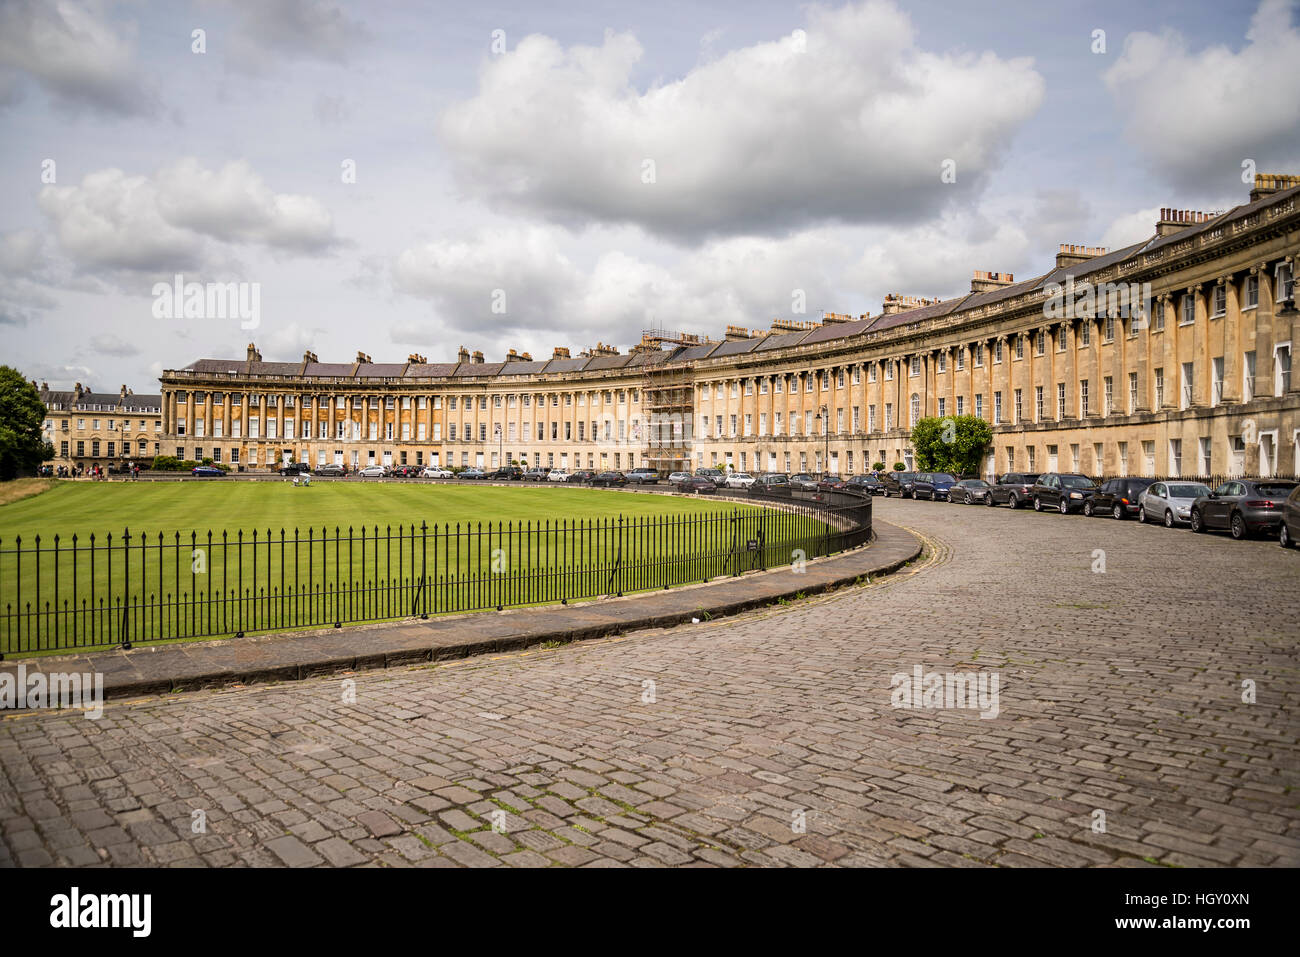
x: 75, y: 592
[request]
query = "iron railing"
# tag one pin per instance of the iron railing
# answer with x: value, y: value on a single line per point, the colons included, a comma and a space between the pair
x: 74, y: 592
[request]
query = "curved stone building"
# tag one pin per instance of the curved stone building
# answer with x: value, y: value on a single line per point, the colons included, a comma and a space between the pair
x: 1171, y: 357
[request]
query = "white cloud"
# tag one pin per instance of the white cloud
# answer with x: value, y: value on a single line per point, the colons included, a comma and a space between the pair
x: 1198, y: 114
x: 851, y: 122
x: 75, y: 54
x: 1132, y: 228
x: 171, y: 220
x: 272, y: 31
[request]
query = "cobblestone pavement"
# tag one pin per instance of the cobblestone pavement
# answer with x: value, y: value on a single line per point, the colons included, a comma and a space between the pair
x: 1121, y: 734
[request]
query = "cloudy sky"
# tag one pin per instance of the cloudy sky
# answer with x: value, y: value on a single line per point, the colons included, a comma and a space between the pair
x: 396, y: 178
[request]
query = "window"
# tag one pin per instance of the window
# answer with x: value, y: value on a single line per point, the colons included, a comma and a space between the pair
x: 1132, y: 392
x: 889, y: 370
x: 1216, y: 380
x: 979, y: 405
x: 1060, y: 400
x: 1220, y: 301
x: 1203, y: 445
x: 1083, y: 398
x: 997, y: 351
x: 1175, y: 457
x: 871, y: 372
x: 915, y: 408
x: 1250, y: 292
x: 1029, y: 457
x: 1085, y: 332
x: 1038, y: 403
x: 941, y: 364
x: 961, y: 358
x: 1248, y: 377
x: 1160, y: 388
x: 1281, y: 368
x: 997, y: 408
x: 1018, y: 410
x: 871, y: 417
x: 1020, y: 346
x: 961, y: 405
x: 1284, y: 280
x: 839, y: 380
x: 1123, y: 458
x: 1187, y: 384
x: 914, y: 368
x: 1187, y: 315
x: 977, y: 355
x: 889, y: 416
x: 1040, y: 342
x: 1060, y: 339
x: 1108, y: 333
x: 943, y: 407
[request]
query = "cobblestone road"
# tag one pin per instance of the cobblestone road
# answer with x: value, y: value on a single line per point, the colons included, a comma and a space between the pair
x: 1121, y: 736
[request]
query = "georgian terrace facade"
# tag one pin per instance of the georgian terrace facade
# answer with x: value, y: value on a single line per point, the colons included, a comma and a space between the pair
x: 1196, y: 380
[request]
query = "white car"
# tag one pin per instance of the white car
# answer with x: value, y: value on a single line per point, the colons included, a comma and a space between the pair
x: 558, y: 475
x: 433, y: 471
x: 739, y: 480
x: 374, y: 471
x: 1169, y: 502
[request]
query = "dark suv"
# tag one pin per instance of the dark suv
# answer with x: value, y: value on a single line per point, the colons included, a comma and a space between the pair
x: 1117, y: 497
x: 898, y: 483
x: 642, y: 476
x: 507, y: 473
x: 1014, y: 488
x: 1243, y: 506
x: 295, y: 468
x: 1064, y: 491
x: 933, y: 485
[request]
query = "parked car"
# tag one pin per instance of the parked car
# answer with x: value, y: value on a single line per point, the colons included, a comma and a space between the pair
x: 557, y: 475
x: 434, y: 471
x: 970, y: 492
x: 898, y: 483
x: 699, y: 484
x: 295, y: 468
x: 1169, y: 502
x: 1064, y: 491
x: 770, y: 480
x: 867, y: 484
x: 374, y: 471
x: 406, y: 471
x: 1243, y: 506
x: 677, y: 477
x: 507, y: 473
x: 739, y: 480
x: 831, y: 483
x: 206, y: 471
x: 804, y: 481
x: 331, y: 469
x: 1013, y: 488
x: 1117, y: 497
x: 933, y: 485
x: 471, y: 474
x: 536, y: 474
x: 1290, y: 527
x: 716, y: 476
x: 642, y: 476
x: 580, y: 477
x: 609, y: 479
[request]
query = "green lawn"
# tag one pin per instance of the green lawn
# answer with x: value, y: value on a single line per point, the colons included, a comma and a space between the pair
x: 215, y: 558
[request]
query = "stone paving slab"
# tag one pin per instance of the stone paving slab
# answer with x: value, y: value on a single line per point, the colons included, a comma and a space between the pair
x: 156, y: 669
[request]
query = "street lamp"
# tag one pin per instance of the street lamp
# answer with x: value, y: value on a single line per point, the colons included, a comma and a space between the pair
x: 500, y: 447
x: 826, y: 433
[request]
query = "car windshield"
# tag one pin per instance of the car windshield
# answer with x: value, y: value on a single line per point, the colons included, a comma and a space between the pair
x: 1075, y: 481
x: 1275, y: 489
x: 1188, y: 491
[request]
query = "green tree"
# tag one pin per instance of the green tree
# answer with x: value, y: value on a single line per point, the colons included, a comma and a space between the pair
x: 951, y: 444
x: 21, y: 413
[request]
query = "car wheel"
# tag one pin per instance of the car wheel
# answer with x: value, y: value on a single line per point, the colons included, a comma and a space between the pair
x: 1117, y: 512
x: 988, y: 500
x: 1063, y: 507
x: 1198, y: 524
x: 1142, y: 514
x: 1087, y: 509
x: 1284, y: 537
x: 1169, y: 519
x: 1038, y: 504
x: 1014, y: 501
x: 1239, y: 529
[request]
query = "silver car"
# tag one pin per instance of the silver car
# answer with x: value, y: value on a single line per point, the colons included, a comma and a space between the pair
x: 1169, y: 502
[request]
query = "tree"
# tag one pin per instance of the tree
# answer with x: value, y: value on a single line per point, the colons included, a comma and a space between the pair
x: 951, y: 444
x: 21, y: 413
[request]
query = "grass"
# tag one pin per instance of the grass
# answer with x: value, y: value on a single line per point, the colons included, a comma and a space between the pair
x: 215, y: 558
x: 24, y: 488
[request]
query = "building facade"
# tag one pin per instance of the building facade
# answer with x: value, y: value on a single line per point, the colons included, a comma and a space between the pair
x: 1171, y: 357
x: 108, y: 429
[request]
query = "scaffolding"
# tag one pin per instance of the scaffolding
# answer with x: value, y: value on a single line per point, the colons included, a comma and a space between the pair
x: 667, y: 400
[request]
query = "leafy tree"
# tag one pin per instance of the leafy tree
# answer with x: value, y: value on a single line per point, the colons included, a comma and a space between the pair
x: 899, y: 467
x: 21, y: 413
x: 878, y: 466
x: 951, y: 444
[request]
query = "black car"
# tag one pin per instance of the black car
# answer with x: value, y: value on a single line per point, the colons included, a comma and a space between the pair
x: 1013, y: 488
x: 331, y: 469
x: 696, y: 483
x: 933, y: 485
x: 1117, y: 497
x: 866, y: 484
x: 407, y: 471
x: 507, y: 473
x: 1290, y: 527
x: 580, y: 477
x: 1064, y: 491
x: 295, y: 468
x: 609, y: 479
x: 1243, y: 506
x: 898, y: 483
